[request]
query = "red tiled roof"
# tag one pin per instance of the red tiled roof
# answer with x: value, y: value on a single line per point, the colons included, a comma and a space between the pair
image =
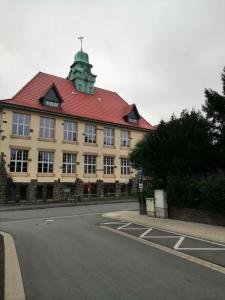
x: 104, y: 105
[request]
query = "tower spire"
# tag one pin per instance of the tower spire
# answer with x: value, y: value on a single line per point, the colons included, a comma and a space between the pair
x: 81, y: 41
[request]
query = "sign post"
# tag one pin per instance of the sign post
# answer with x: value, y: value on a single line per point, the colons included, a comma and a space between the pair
x: 140, y: 186
x: 142, y: 203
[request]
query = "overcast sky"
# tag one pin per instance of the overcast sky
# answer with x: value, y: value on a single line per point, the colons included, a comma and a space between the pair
x: 160, y: 54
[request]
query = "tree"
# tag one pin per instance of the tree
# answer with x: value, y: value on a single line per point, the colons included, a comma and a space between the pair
x: 184, y: 146
x: 215, y: 112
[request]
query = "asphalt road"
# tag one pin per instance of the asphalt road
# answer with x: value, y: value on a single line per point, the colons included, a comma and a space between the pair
x: 64, y: 254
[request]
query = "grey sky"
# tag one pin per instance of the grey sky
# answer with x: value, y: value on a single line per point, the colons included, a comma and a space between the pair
x: 160, y: 54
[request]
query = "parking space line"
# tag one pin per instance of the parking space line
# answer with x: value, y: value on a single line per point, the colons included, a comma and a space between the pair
x: 176, y: 247
x: 179, y: 243
x: 145, y: 233
x: 123, y: 226
x: 134, y: 228
x: 202, y: 249
x: 161, y: 237
x: 114, y: 223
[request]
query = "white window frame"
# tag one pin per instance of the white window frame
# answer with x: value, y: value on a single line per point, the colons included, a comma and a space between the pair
x: 45, y: 159
x: 67, y: 132
x: 20, y: 160
x: 90, y: 164
x: 52, y: 103
x: 108, y: 163
x: 90, y: 134
x: 69, y: 163
x: 125, y: 138
x: 108, y: 136
x: 20, y: 121
x: 133, y: 120
x: 48, y: 127
x: 124, y: 166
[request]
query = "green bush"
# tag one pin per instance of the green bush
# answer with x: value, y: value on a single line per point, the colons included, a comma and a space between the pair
x: 199, y: 192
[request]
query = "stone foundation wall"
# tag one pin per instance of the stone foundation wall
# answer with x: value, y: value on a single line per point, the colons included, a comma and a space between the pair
x: 34, y: 191
x: 3, y: 180
x: 199, y: 216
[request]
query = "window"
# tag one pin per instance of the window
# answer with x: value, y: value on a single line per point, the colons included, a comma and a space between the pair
x: 47, y: 127
x: 125, y: 166
x: 70, y: 131
x: 108, y: 165
x: 108, y: 136
x: 125, y: 140
x: 132, y: 120
x: 90, y: 134
x: 51, y: 103
x: 20, y: 124
x: 18, y: 160
x: 69, y: 163
x: 45, y: 162
x: 89, y: 164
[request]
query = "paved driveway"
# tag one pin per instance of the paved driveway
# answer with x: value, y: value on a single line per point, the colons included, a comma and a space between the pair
x: 65, y: 254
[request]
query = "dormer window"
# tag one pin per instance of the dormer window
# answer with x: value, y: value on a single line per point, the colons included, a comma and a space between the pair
x: 52, y: 98
x: 132, y: 120
x: 51, y: 103
x: 132, y: 114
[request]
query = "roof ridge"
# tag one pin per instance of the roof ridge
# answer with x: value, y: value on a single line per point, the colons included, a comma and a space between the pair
x: 48, y: 74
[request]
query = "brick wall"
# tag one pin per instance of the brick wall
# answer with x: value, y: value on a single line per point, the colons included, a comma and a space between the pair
x: 199, y: 216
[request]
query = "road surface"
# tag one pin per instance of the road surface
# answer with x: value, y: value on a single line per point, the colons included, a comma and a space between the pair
x: 65, y: 254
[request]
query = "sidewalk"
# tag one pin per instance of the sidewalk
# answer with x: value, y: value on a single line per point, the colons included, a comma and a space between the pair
x: 27, y: 206
x: 198, y: 230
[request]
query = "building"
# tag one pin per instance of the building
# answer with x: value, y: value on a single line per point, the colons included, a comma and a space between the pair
x: 60, y: 135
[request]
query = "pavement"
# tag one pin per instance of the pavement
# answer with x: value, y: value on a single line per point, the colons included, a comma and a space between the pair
x: 41, y: 205
x: 198, y: 230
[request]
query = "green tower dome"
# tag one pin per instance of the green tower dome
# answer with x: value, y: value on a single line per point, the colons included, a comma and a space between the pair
x: 81, y: 56
x: 80, y: 73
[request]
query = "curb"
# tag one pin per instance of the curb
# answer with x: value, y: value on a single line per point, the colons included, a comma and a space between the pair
x: 14, y: 289
x: 55, y: 205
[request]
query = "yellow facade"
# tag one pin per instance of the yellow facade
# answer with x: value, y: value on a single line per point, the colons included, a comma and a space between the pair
x: 34, y: 144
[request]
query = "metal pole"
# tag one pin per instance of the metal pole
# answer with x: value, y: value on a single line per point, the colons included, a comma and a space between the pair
x: 142, y: 204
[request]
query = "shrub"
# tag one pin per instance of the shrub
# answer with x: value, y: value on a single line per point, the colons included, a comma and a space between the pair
x: 199, y: 192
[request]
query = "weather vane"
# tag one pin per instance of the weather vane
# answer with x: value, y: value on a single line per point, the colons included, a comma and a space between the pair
x: 81, y: 38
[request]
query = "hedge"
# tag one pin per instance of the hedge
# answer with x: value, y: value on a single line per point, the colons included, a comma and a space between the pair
x: 200, y: 192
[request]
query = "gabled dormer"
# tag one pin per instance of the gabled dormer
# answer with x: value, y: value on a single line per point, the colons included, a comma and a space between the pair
x: 132, y: 115
x: 52, y: 98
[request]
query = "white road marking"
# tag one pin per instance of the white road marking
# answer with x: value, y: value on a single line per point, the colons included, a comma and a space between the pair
x: 114, y: 223
x: 162, y: 237
x: 123, y: 226
x: 134, y: 228
x: 179, y: 242
x: 144, y: 233
x: 200, y: 249
x: 177, y: 245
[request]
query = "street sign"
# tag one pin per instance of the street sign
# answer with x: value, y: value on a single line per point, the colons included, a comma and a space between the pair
x: 140, y: 187
x: 139, y: 176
